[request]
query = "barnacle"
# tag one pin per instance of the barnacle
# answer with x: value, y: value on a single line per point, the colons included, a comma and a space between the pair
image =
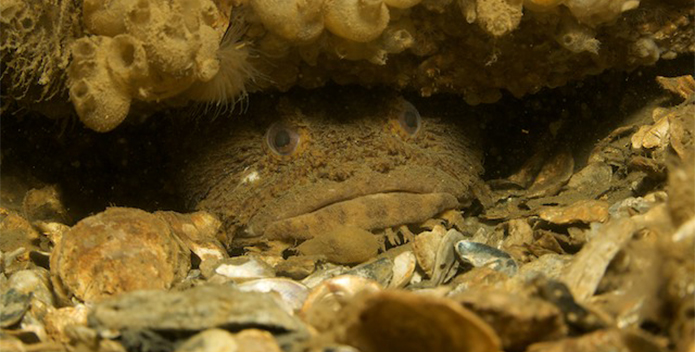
x: 578, y: 38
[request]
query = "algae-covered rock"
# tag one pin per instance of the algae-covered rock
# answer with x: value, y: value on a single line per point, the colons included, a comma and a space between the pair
x: 213, y: 51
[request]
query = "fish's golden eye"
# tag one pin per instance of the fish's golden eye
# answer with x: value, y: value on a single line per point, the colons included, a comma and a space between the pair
x: 282, y: 139
x: 409, y: 119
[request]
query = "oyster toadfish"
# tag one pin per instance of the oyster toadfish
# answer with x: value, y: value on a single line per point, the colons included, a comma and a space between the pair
x: 318, y: 162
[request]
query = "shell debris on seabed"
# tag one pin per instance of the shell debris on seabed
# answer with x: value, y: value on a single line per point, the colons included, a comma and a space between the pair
x: 390, y: 210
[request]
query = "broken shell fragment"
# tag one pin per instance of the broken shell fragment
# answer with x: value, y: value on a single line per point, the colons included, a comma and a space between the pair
x: 584, y: 211
x: 653, y: 136
x: 13, y: 306
x: 244, y: 268
x: 589, y: 265
x: 480, y: 255
x: 445, y: 263
x: 36, y: 282
x: 57, y: 321
x: 684, y: 86
x: 199, y: 231
x: 331, y: 296
x: 425, y: 247
x: 553, y: 175
x: 403, y: 321
x: 379, y: 270
x: 479, y: 278
x: 292, y: 293
x: 53, y: 230
x: 326, y: 272
x: 403, y: 269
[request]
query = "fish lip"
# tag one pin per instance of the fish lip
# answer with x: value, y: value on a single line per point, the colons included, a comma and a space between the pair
x: 415, y: 180
x: 370, y: 212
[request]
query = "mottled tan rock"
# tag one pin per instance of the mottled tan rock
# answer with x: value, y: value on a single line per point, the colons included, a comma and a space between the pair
x: 403, y: 321
x: 16, y: 231
x: 118, y: 250
x: 476, y: 49
x: 58, y: 320
x: 613, y: 340
x: 44, y: 204
x: 199, y: 308
x: 518, y: 320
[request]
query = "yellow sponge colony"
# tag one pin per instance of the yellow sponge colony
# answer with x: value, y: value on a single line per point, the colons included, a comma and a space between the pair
x: 115, y: 53
x: 474, y: 48
x: 99, y: 100
x: 142, y: 50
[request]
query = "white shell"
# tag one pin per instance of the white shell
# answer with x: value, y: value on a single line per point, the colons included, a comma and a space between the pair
x: 403, y: 269
x: 251, y: 269
x: 292, y: 293
x: 425, y: 247
x: 445, y: 259
x: 319, y: 276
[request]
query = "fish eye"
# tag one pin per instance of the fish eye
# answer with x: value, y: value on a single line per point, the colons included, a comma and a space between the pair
x: 282, y: 139
x: 409, y: 118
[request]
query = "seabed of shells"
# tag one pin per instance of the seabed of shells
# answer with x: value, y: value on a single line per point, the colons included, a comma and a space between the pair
x: 573, y: 263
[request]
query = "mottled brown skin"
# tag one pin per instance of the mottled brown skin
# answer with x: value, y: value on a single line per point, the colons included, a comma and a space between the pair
x: 355, y: 165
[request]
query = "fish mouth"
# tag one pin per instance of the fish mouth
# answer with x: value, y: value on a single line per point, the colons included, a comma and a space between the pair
x: 369, y: 212
x: 368, y: 200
